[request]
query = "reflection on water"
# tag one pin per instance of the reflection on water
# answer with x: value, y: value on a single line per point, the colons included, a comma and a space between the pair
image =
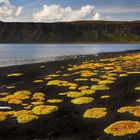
x: 14, y: 54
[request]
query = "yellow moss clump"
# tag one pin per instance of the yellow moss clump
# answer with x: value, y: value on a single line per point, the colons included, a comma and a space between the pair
x: 82, y: 100
x: 138, y: 100
x: 103, y: 82
x: 38, y: 96
x: 42, y: 110
x: 134, y: 72
x: 137, y: 88
x: 135, y: 110
x: 111, y: 78
x: 15, y: 101
x: 95, y: 113
x: 83, y: 87
x: 73, y: 94
x: 37, y: 103
x: 26, y: 118
x: 94, y: 80
x: 105, y: 96
x: 65, y: 75
x: 72, y: 88
x: 62, y: 83
x: 38, y: 81
x: 28, y: 107
x: 100, y: 87
x: 10, y: 87
x: 88, y: 91
x: 2, y: 116
x: 122, y: 128
x: 55, y: 101
x: 81, y: 79
x: 22, y: 112
x: 123, y: 75
x: 23, y: 93
x: 14, y: 74
x: 16, y: 97
x: 4, y: 93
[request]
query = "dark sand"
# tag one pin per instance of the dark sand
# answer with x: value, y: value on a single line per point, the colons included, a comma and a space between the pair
x: 67, y: 123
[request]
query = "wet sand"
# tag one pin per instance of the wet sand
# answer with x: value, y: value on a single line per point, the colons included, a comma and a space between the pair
x: 67, y: 123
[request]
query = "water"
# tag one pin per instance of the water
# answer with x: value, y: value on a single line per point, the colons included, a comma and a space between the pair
x: 16, y: 54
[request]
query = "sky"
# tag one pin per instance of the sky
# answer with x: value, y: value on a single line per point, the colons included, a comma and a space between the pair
x: 68, y: 10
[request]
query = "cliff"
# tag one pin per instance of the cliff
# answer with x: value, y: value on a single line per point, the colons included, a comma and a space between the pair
x: 70, y: 32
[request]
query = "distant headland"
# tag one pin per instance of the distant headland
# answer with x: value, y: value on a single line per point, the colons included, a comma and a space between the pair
x: 71, y: 32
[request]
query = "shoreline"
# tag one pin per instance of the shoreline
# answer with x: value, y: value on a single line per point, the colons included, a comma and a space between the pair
x: 61, y: 58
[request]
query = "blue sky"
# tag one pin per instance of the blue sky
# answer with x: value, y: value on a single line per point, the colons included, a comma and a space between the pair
x: 68, y: 10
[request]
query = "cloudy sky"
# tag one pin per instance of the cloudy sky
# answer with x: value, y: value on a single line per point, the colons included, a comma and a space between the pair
x: 68, y: 10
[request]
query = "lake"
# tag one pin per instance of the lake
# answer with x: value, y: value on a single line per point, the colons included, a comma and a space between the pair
x: 16, y: 54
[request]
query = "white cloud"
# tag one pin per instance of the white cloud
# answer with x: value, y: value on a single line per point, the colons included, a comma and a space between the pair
x: 53, y: 13
x: 97, y: 16
x: 8, y: 11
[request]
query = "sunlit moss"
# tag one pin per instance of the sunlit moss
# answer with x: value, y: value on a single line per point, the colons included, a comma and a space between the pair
x: 2, y: 116
x: 61, y: 83
x: 102, y: 82
x: 95, y: 113
x: 81, y: 79
x: 135, y: 110
x: 38, y: 96
x: 122, y: 128
x: 10, y: 87
x: 38, y: 81
x: 37, y: 103
x: 138, y: 100
x: 65, y: 75
x: 42, y: 110
x: 73, y: 94
x: 4, y: 93
x: 100, y: 87
x: 9, y: 113
x: 21, y: 112
x: 112, y: 78
x: 55, y: 101
x: 72, y: 88
x: 83, y: 87
x: 28, y: 107
x: 14, y: 74
x: 82, y: 100
x: 62, y: 94
x: 16, y: 97
x: 88, y: 91
x: 26, y: 118
x: 23, y: 92
x: 123, y: 75
x: 134, y: 72
x: 94, y: 80
x: 108, y: 68
x: 15, y: 101
x: 137, y: 88
x: 54, y: 75
x: 105, y: 96
x: 47, y: 78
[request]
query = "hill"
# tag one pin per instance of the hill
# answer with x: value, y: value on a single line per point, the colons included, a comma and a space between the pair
x: 70, y: 32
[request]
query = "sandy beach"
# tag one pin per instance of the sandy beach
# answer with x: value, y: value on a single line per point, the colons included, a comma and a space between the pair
x: 118, y: 75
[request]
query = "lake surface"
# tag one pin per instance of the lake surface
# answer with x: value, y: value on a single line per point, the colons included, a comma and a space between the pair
x: 16, y: 54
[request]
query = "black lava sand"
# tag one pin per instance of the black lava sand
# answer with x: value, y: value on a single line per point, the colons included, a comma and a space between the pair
x: 67, y: 123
